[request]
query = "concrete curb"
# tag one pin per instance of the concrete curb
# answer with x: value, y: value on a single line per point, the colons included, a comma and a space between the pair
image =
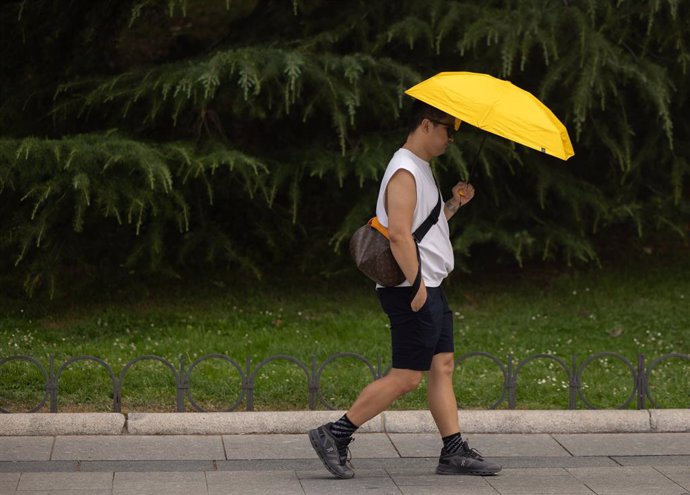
x: 604, y: 421
x: 286, y: 422
x: 236, y: 422
x: 671, y: 420
x: 62, y: 424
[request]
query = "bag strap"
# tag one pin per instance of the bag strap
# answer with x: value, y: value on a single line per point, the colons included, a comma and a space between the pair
x: 418, y: 235
x: 428, y: 223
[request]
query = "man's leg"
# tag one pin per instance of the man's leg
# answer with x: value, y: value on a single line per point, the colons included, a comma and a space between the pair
x: 412, y: 352
x: 378, y: 395
x: 456, y: 456
x: 330, y: 441
x: 441, y: 396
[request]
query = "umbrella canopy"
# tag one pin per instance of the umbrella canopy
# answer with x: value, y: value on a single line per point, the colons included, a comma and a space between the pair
x: 496, y: 106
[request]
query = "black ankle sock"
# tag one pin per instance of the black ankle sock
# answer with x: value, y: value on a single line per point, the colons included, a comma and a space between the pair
x: 343, y: 428
x: 452, y: 443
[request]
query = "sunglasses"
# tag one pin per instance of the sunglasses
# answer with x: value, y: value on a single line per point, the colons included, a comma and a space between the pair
x: 450, y: 130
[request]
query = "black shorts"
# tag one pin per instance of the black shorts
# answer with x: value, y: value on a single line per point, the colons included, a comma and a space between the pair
x: 417, y: 337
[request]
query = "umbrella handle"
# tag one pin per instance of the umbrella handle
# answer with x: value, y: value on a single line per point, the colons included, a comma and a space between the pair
x: 476, y: 158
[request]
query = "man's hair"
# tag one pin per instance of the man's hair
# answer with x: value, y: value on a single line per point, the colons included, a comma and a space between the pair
x: 421, y: 111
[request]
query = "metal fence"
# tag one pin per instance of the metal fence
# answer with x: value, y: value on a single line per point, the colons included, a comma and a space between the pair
x: 640, y: 374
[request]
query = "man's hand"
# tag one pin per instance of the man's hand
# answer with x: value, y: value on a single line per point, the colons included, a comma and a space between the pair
x: 463, y: 192
x: 419, y: 298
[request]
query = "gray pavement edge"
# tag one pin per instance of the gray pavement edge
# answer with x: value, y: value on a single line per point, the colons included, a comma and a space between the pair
x: 286, y: 422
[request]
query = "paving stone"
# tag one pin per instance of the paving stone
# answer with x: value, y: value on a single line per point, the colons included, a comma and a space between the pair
x: 678, y: 474
x: 544, y: 481
x: 138, y: 448
x: 268, y: 464
x: 163, y: 483
x: 323, y: 474
x: 39, y: 466
x: 298, y: 446
x: 143, y: 466
x: 7, y: 488
x: 66, y: 481
x: 371, y: 446
x: 375, y: 481
x: 626, y: 480
x: 423, y: 481
x: 427, y: 464
x: 315, y: 464
x: 89, y: 491
x: 268, y: 447
x: 553, y: 462
x: 515, y: 445
x: 161, y: 489
x: 626, y: 444
x: 654, y: 460
x: 461, y: 488
x: 160, y: 477
x: 500, y: 445
x: 8, y: 483
x: 25, y: 448
x: 249, y: 483
x: 9, y: 477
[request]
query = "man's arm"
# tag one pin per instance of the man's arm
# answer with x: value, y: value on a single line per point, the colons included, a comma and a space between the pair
x: 401, y: 200
x: 463, y: 193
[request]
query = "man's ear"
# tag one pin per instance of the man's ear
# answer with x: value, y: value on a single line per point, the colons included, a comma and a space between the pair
x: 425, y: 125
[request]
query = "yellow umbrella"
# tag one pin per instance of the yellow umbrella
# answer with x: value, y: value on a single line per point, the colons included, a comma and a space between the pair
x: 496, y: 106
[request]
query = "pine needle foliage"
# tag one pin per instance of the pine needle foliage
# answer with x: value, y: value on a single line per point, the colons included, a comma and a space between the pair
x: 167, y: 134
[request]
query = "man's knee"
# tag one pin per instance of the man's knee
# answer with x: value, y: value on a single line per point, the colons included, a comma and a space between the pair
x: 443, y: 364
x: 410, y: 380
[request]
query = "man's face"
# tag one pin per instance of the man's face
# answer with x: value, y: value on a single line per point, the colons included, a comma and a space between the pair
x: 440, y: 134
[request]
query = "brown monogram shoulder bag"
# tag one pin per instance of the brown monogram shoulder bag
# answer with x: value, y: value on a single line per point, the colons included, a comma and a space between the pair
x: 371, y: 251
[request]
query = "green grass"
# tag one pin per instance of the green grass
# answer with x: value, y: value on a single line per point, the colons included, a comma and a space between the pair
x: 639, y: 306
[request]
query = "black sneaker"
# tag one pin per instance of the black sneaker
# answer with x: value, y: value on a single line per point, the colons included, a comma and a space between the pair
x: 465, y: 461
x: 332, y: 451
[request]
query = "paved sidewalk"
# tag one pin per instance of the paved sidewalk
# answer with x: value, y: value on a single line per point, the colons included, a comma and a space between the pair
x: 385, y: 463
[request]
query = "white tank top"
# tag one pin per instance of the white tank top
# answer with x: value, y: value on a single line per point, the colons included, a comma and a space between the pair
x: 435, y: 249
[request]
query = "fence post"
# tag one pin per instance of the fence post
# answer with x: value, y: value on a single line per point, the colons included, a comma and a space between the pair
x: 574, y: 385
x: 248, y: 385
x: 182, y: 385
x: 511, y: 383
x: 117, y: 396
x: 641, y: 382
x: 52, y: 385
x: 313, y: 387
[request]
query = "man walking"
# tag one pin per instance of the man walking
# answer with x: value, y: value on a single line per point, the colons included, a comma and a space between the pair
x: 421, y: 324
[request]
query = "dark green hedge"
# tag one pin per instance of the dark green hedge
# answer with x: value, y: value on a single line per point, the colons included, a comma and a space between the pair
x: 173, y: 135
